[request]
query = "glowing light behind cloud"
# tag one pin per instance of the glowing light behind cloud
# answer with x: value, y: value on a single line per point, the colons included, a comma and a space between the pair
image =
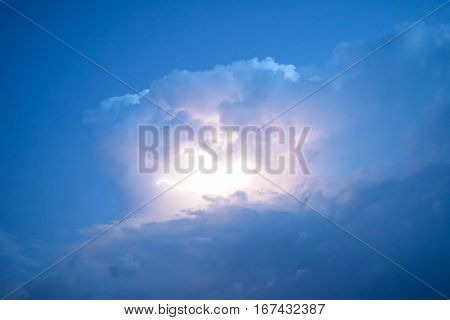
x: 226, y: 95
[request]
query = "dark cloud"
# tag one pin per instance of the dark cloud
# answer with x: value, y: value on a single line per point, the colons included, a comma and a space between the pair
x: 277, y: 255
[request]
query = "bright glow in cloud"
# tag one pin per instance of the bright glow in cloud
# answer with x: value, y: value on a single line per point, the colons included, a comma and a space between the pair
x: 242, y: 93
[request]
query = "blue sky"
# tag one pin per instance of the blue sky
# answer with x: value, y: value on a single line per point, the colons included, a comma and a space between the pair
x: 380, y: 166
